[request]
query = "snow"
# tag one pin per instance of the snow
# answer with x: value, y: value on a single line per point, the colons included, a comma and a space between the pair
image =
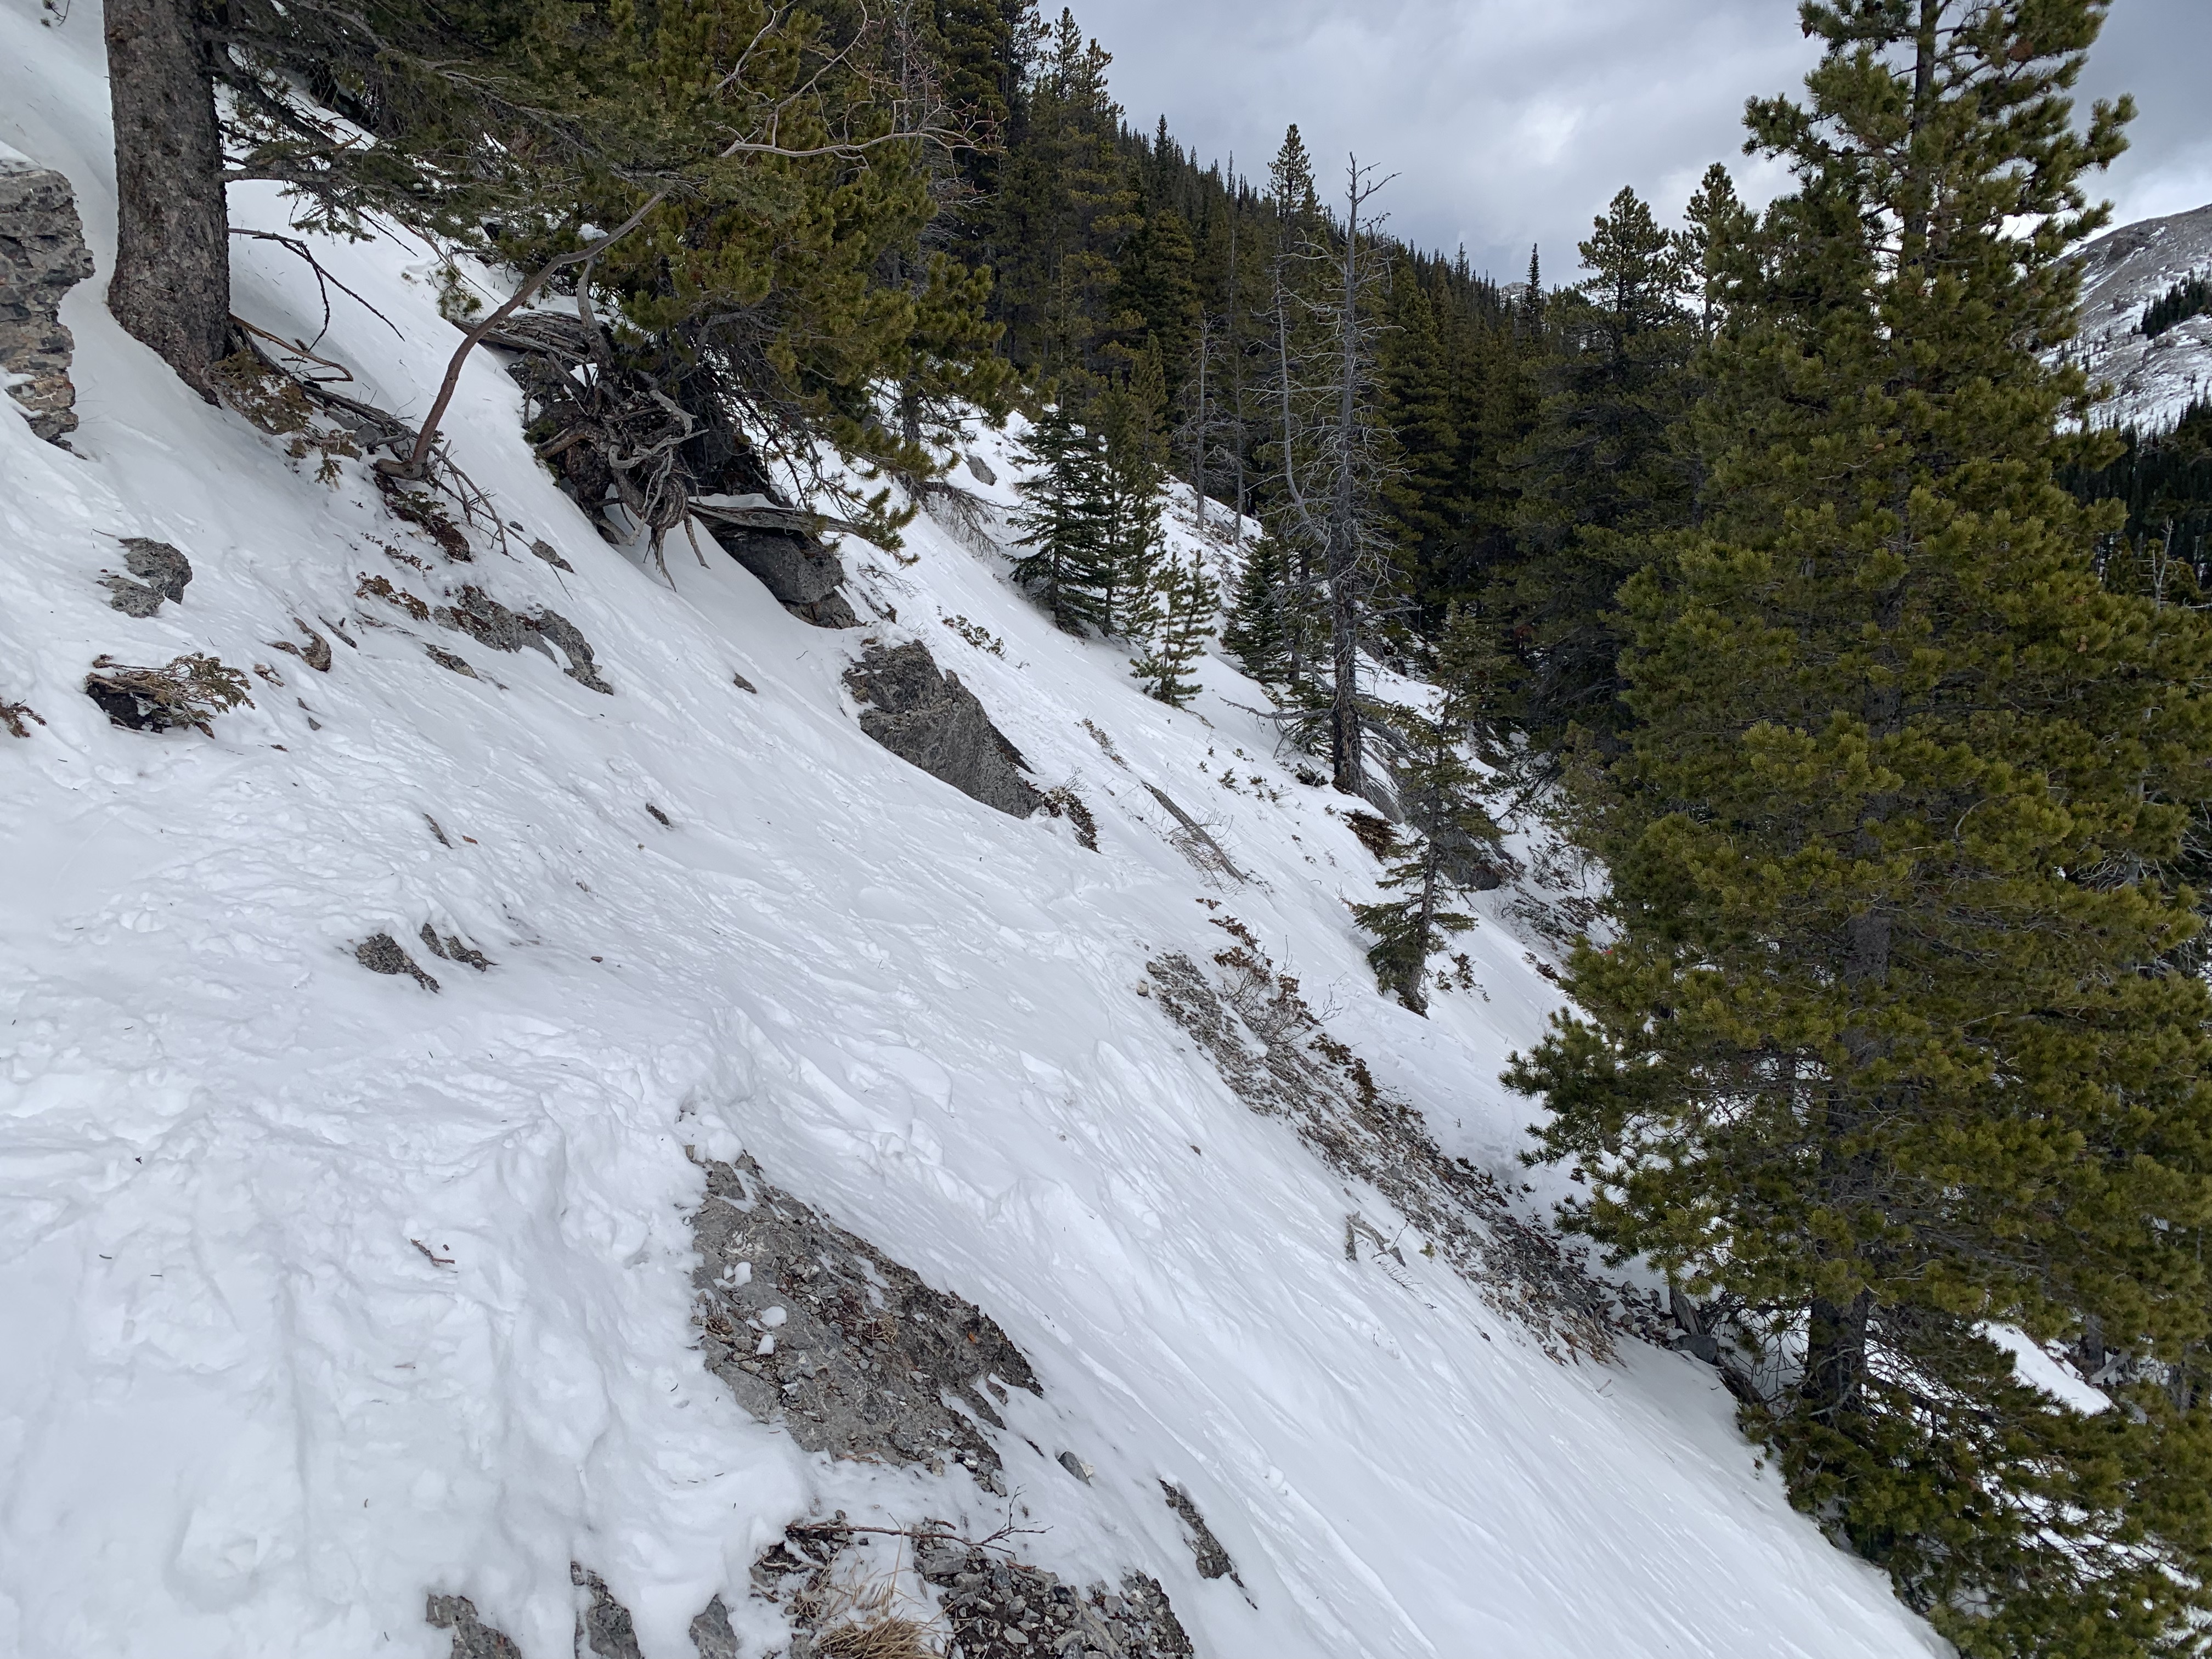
x: 2039, y: 1370
x: 323, y: 1292
x: 2150, y: 381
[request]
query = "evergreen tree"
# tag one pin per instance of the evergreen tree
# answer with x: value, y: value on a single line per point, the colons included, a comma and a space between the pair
x: 1606, y: 465
x: 1179, y: 621
x: 1891, y: 1044
x: 1065, y: 518
x: 1135, y: 455
x: 1257, y: 631
x: 1455, y: 841
x: 1437, y: 785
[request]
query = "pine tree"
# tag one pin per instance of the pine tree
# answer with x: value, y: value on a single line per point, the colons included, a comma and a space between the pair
x: 1437, y: 785
x: 1892, y: 1042
x: 1179, y: 622
x: 1606, y: 465
x: 1066, y: 521
x: 1455, y: 841
x: 1257, y: 633
x: 1128, y: 414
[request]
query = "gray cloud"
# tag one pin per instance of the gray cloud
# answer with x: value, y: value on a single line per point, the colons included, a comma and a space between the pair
x: 1511, y: 122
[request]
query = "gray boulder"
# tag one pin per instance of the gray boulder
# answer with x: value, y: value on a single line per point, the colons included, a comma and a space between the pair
x: 925, y: 715
x: 42, y: 257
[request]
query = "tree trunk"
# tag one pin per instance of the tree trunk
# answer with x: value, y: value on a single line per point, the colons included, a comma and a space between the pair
x: 1836, y: 1358
x: 1346, y: 743
x: 171, y: 286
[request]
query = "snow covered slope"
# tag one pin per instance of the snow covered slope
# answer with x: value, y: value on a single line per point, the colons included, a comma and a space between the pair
x: 323, y: 1292
x: 2152, y: 380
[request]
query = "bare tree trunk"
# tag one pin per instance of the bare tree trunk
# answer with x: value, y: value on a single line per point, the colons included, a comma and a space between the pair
x: 171, y: 286
x: 1197, y: 436
x: 1346, y: 742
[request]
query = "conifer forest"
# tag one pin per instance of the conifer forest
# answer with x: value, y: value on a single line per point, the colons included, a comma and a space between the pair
x: 1777, y: 565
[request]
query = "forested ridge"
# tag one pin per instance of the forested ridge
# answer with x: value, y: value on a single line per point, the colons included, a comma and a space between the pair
x: 1773, y: 555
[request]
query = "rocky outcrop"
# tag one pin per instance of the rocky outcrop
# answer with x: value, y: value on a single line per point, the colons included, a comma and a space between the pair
x: 42, y: 257
x: 925, y: 715
x: 848, y: 1349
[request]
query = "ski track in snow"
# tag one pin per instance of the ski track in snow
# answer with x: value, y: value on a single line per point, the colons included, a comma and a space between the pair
x: 244, y: 1413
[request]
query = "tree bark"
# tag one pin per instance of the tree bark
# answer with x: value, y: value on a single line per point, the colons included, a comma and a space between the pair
x: 1346, y: 742
x: 171, y: 286
x: 1836, y: 1358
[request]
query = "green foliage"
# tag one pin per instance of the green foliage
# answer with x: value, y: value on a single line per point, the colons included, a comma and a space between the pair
x: 1891, y: 1041
x: 1177, y: 622
x: 1439, y: 789
x: 1260, y: 620
x: 1607, y: 464
x: 2190, y: 297
x: 1066, y: 521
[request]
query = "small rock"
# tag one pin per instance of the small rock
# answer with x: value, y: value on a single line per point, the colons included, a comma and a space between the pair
x: 544, y: 550
x: 380, y: 953
x: 447, y: 660
x: 1076, y: 1466
x: 979, y: 469
x: 159, y: 565
x: 473, y: 1638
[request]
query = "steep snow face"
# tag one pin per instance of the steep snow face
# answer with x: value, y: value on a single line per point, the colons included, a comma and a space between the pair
x: 2152, y: 380
x: 324, y: 1290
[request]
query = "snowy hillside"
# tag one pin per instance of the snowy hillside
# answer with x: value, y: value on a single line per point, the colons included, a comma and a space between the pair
x: 327, y: 1293
x: 2152, y: 380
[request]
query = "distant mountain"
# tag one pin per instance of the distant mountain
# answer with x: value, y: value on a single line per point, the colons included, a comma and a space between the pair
x: 2152, y: 380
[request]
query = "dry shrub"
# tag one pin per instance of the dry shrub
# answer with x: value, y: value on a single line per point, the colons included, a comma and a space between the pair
x: 870, y: 1617
x: 188, y: 690
x: 275, y: 402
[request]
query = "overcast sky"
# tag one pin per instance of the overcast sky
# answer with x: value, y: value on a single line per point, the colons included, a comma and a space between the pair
x: 1510, y: 122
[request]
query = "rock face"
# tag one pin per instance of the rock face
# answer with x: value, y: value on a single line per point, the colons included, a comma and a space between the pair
x: 849, y: 1349
x: 42, y: 257
x: 925, y: 715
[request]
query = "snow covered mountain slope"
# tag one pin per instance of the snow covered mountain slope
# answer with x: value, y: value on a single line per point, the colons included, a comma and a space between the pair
x: 324, y: 1291
x: 2152, y: 380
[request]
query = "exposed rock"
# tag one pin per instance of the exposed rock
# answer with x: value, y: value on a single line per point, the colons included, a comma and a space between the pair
x: 42, y: 257
x: 604, y: 1630
x: 316, y: 653
x: 993, y: 1606
x: 447, y: 660
x: 472, y: 1638
x: 162, y: 570
x: 979, y: 469
x: 925, y: 715
x: 851, y: 1351
x: 778, y: 545
x: 486, y: 621
x: 1000, y: 1609
x: 452, y: 947
x: 565, y: 634
x: 1275, y: 1056
x: 711, y: 1635
x: 1212, y: 1560
x: 380, y: 953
